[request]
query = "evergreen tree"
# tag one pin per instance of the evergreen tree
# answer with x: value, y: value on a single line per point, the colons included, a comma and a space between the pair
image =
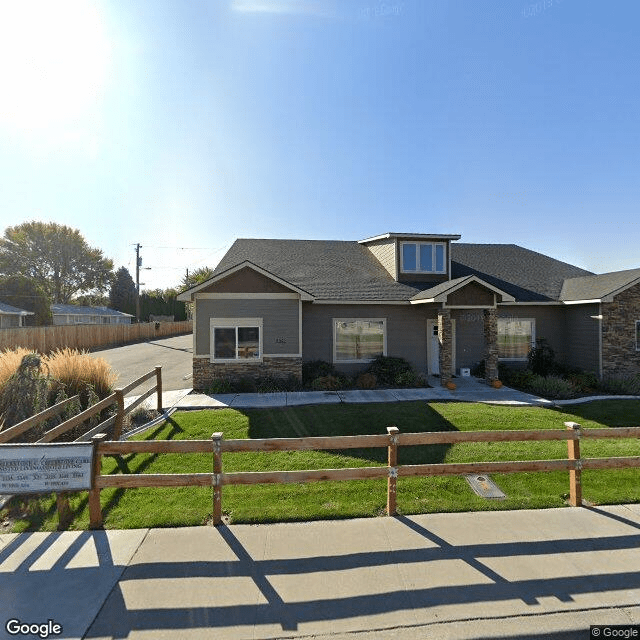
x: 122, y: 296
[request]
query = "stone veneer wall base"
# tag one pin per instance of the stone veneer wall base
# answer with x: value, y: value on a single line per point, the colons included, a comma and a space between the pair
x: 204, y: 371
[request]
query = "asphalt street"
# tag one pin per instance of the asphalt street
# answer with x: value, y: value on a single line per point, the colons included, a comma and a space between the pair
x: 174, y: 355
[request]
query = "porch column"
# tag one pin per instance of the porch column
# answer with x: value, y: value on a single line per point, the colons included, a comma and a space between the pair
x: 446, y: 345
x: 491, y: 345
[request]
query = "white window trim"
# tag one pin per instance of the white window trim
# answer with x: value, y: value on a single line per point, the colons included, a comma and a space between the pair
x: 433, y: 256
x: 234, y: 323
x: 533, y: 336
x: 637, y: 334
x: 366, y: 360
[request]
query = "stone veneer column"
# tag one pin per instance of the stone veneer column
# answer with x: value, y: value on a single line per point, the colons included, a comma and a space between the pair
x: 491, y: 345
x: 446, y: 345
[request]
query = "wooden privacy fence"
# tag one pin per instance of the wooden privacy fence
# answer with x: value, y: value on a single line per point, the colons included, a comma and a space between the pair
x: 88, y: 336
x: 392, y: 440
x: 117, y: 398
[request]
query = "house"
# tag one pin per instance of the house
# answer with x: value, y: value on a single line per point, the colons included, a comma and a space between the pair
x: 75, y: 314
x: 12, y: 316
x: 440, y: 304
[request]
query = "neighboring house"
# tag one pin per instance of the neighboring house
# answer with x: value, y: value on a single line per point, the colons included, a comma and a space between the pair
x: 12, y: 316
x: 74, y: 314
x: 440, y: 304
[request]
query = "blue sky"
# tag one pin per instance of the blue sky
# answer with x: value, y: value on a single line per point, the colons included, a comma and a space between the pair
x: 184, y: 125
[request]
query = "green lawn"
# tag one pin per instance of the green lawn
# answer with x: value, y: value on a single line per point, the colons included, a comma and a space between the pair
x: 132, y: 508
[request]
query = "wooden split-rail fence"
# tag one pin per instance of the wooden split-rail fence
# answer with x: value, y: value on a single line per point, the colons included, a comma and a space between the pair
x: 218, y: 478
x: 116, y: 421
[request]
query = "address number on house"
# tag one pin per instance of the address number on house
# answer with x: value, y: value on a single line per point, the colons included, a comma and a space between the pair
x: 45, y: 468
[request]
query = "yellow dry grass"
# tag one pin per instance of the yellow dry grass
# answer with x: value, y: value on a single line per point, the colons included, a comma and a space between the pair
x: 10, y: 360
x: 77, y: 368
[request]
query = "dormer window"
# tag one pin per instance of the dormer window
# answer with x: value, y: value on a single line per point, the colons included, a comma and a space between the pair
x: 423, y: 257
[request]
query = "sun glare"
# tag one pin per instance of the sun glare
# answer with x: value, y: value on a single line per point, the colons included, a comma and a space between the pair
x: 54, y: 57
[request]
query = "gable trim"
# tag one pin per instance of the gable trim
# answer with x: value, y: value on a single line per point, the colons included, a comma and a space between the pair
x: 185, y: 296
x: 463, y: 282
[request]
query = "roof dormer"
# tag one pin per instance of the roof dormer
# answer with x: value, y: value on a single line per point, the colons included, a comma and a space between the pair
x: 413, y: 257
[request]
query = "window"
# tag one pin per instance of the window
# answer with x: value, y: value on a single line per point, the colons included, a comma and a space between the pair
x: 358, y: 340
x: 236, y: 339
x: 423, y: 257
x: 637, y: 335
x: 515, y: 338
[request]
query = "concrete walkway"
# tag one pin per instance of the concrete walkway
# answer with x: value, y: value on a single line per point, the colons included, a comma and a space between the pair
x: 525, y: 574
x: 467, y: 390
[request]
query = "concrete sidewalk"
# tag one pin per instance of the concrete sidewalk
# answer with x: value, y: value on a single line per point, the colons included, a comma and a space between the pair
x: 468, y: 390
x: 524, y: 574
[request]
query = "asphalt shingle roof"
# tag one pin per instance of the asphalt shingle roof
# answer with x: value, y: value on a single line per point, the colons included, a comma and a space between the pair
x: 86, y: 311
x: 598, y: 286
x: 527, y: 275
x: 346, y: 270
x: 8, y: 309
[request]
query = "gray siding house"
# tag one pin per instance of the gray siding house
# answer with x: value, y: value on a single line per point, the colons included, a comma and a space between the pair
x: 440, y: 304
x: 75, y: 314
x: 11, y: 317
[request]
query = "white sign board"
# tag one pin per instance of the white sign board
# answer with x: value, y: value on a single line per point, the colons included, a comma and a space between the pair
x: 45, y: 468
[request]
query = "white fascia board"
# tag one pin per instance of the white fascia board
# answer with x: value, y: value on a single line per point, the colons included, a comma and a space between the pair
x: 417, y: 236
x: 186, y: 296
x: 369, y: 302
x: 593, y: 301
x: 524, y: 303
x: 442, y: 297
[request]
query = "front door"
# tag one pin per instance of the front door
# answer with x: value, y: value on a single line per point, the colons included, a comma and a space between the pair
x: 433, y: 347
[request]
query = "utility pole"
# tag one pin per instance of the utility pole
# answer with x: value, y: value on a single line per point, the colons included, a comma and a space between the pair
x: 138, y: 263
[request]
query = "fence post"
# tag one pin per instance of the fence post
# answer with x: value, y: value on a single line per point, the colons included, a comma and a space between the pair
x: 95, y: 510
x: 64, y: 510
x: 393, y: 470
x: 217, y: 478
x: 117, y: 428
x: 159, y: 387
x: 575, y: 480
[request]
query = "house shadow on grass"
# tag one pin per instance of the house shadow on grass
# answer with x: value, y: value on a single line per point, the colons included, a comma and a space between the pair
x: 352, y: 420
x: 608, y: 413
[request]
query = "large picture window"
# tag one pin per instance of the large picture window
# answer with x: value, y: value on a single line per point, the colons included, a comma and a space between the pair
x: 236, y: 339
x: 359, y: 340
x: 515, y: 338
x: 423, y: 257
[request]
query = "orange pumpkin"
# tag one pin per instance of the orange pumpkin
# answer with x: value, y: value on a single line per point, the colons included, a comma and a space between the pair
x: 496, y: 384
x: 451, y: 385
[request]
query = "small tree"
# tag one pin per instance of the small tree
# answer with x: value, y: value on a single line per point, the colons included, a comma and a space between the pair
x: 24, y: 293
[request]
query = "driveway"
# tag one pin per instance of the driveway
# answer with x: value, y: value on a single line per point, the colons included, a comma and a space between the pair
x: 134, y: 360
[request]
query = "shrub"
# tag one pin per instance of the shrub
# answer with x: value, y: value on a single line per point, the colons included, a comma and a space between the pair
x: 586, y: 382
x: 621, y: 385
x: 245, y: 385
x: 542, y: 359
x: 26, y: 392
x: 317, y: 369
x: 387, y: 368
x: 10, y: 360
x: 366, y: 381
x: 410, y: 380
x: 552, y: 387
x: 326, y: 383
x: 220, y: 385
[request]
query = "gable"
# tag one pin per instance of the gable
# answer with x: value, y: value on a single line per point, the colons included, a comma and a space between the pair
x: 471, y: 295
x: 245, y: 280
